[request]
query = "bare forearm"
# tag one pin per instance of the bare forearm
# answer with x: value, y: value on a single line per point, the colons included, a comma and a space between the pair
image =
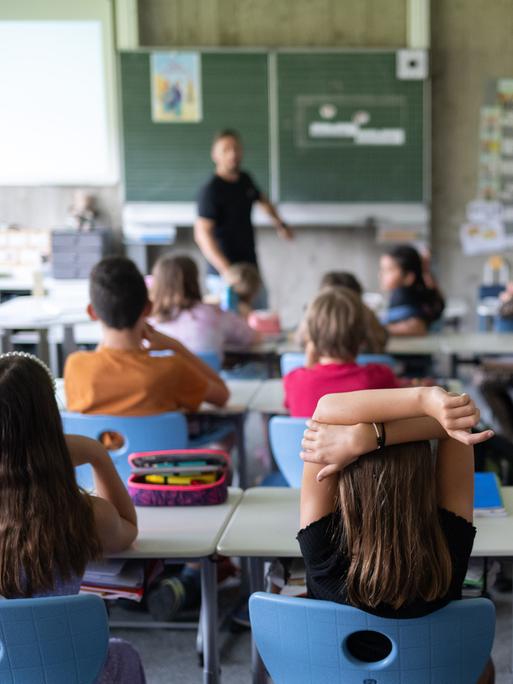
x: 413, y: 430
x: 209, y: 246
x: 109, y: 486
x: 271, y: 211
x: 412, y: 326
x: 350, y: 408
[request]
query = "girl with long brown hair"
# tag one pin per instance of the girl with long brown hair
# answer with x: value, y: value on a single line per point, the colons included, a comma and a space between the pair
x: 386, y: 527
x: 179, y: 312
x: 49, y: 528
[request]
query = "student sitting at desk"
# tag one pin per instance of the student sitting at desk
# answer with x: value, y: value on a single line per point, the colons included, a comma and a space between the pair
x: 245, y: 283
x: 50, y: 528
x: 383, y: 528
x: 415, y: 301
x: 335, y: 329
x: 178, y: 310
x: 376, y: 335
x: 121, y: 376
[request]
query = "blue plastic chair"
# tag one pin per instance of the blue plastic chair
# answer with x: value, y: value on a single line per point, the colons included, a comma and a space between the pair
x: 59, y: 639
x: 285, y: 435
x: 384, y: 359
x: 501, y: 324
x: 141, y: 433
x: 304, y: 641
x: 292, y: 360
x: 212, y: 359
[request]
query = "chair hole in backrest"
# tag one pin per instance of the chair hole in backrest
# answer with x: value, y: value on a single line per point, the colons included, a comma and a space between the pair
x: 112, y: 440
x: 368, y: 646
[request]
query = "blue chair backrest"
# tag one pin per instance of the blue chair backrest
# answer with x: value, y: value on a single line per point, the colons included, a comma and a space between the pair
x: 492, y: 290
x: 292, y: 360
x: 285, y: 435
x: 212, y: 359
x: 384, y: 359
x: 501, y: 324
x: 304, y: 641
x: 59, y: 639
x: 140, y: 433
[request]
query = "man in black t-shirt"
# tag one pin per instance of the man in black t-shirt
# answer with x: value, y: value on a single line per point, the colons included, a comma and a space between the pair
x: 223, y: 230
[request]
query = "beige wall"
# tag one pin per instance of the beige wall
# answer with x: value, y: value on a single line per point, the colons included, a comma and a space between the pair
x: 349, y: 23
x: 471, y: 43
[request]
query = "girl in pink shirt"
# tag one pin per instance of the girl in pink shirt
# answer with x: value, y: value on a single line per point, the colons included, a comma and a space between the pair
x: 178, y: 310
x: 336, y: 327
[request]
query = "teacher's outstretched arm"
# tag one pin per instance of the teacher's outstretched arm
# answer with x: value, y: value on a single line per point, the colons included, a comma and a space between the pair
x: 205, y: 239
x: 283, y: 230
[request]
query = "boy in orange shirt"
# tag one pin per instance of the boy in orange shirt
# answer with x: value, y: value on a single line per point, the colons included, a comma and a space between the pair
x: 122, y: 376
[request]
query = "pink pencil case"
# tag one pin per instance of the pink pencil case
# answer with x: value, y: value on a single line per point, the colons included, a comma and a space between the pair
x: 179, y: 464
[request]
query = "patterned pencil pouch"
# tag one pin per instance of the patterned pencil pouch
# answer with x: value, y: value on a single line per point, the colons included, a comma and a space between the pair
x: 186, y: 477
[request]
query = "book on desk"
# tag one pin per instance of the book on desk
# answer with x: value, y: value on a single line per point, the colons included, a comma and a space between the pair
x: 488, y: 500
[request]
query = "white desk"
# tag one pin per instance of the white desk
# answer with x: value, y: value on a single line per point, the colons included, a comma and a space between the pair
x: 268, y: 398
x: 181, y: 532
x: 266, y: 522
x: 451, y: 343
x: 474, y: 343
x: 189, y: 533
x: 242, y: 393
x: 41, y: 314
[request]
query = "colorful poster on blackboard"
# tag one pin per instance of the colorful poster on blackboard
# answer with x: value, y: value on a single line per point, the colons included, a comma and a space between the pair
x: 176, y: 87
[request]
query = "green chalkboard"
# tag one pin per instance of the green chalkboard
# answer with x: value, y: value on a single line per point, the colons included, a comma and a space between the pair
x: 167, y: 162
x: 321, y: 158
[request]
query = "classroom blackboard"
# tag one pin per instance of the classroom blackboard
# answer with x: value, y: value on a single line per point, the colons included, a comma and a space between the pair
x: 296, y: 112
x: 167, y: 162
x: 320, y: 159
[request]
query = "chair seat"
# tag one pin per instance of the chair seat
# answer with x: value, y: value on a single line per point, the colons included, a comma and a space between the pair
x: 58, y: 639
x: 305, y: 641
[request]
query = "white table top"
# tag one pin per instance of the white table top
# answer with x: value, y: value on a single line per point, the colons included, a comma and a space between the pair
x: 269, y: 397
x: 29, y: 313
x: 180, y: 531
x: 241, y: 394
x: 266, y: 522
x: 479, y: 343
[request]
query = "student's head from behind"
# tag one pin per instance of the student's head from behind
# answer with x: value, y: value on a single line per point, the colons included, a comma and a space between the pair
x: 335, y: 323
x: 245, y: 280
x: 175, y: 286
x: 227, y: 151
x: 391, y: 529
x: 46, y: 523
x: 118, y: 293
x: 341, y: 279
x: 401, y: 267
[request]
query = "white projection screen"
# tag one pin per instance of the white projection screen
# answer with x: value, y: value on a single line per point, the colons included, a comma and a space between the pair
x: 55, y: 123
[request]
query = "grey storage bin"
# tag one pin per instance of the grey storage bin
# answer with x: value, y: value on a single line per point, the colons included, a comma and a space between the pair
x: 74, y: 253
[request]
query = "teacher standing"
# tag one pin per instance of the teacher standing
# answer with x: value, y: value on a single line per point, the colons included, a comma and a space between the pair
x: 223, y: 230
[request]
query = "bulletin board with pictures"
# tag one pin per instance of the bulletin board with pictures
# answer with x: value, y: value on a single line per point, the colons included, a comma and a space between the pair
x: 489, y: 222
